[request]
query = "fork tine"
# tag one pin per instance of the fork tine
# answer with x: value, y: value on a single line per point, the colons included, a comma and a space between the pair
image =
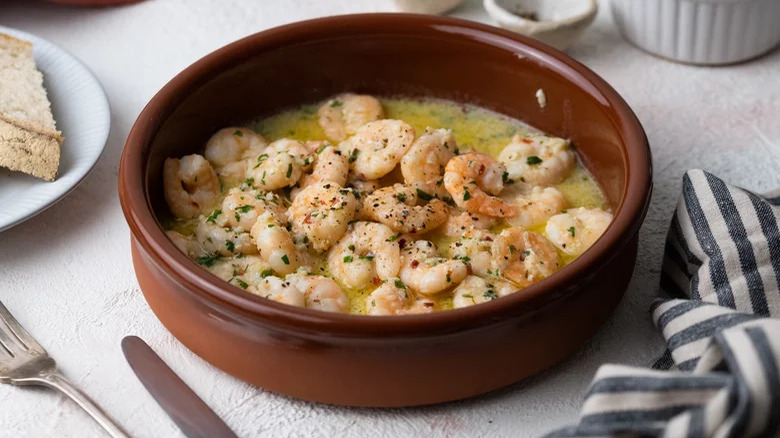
x: 22, y: 336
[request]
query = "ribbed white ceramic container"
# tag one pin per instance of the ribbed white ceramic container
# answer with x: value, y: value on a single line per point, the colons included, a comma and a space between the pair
x: 700, y: 31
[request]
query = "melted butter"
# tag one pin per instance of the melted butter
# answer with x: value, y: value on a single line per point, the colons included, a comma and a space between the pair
x: 473, y: 128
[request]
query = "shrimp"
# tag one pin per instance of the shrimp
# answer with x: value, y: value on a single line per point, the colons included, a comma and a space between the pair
x: 523, y: 257
x: 400, y: 208
x: 329, y: 165
x: 474, y: 247
x: 275, y: 244
x: 426, y: 273
x: 279, y: 290
x: 184, y: 243
x: 538, y: 159
x: 476, y: 290
x: 280, y: 165
x: 377, y: 147
x: 392, y: 298
x: 320, y: 293
x: 217, y: 241
x: 533, y: 206
x: 428, y: 155
x: 237, y: 270
x: 341, y: 116
x: 366, y: 251
x: 577, y: 229
x: 321, y: 213
x: 240, y: 208
x: 191, y: 186
x: 231, y: 145
x: 471, y: 179
x: 459, y: 223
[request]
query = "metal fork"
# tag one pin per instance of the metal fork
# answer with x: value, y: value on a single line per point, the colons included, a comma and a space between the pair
x: 24, y: 362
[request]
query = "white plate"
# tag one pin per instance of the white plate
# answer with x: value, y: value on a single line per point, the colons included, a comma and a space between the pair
x: 81, y: 110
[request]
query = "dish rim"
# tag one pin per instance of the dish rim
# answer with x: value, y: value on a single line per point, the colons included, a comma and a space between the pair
x: 151, y: 237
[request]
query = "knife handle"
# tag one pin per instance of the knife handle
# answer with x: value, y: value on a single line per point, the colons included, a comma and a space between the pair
x: 60, y: 383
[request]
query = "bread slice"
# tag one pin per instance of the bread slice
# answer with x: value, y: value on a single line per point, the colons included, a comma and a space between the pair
x: 29, y: 139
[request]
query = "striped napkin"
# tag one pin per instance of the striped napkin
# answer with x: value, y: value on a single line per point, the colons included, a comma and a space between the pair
x: 720, y: 375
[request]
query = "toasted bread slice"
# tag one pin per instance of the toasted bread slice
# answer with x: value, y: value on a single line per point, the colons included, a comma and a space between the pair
x: 29, y: 139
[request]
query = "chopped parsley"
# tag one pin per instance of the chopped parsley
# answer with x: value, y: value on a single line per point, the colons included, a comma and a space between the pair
x: 348, y: 259
x: 230, y: 245
x: 238, y: 133
x: 242, y: 283
x: 266, y: 273
x: 322, y: 148
x: 466, y: 195
x: 464, y: 259
x: 213, y: 216
x: 289, y: 170
x: 353, y: 156
x: 399, y: 284
x: 505, y: 178
x: 571, y: 231
x: 244, y: 208
x: 490, y: 294
x: 208, y: 260
x: 351, y: 248
x: 336, y: 103
x: 401, y: 197
x: 249, y: 181
x: 285, y: 259
x: 393, y: 238
x: 368, y: 257
x: 425, y: 196
x: 533, y: 159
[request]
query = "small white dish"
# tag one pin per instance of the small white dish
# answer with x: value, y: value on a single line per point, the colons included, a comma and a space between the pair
x: 555, y: 22
x: 82, y: 113
x: 434, y: 7
x: 702, y: 32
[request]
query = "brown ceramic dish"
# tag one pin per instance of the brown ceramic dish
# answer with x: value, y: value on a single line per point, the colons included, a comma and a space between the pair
x: 401, y: 360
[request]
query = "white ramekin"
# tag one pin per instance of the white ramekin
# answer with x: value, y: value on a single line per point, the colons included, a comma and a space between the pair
x: 700, y: 31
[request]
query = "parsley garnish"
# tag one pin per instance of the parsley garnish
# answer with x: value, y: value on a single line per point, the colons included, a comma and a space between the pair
x: 347, y: 259
x: 238, y: 133
x: 336, y: 103
x: 285, y: 259
x: 244, y: 208
x: 266, y: 273
x: 242, y: 283
x: 425, y: 196
x: 321, y: 148
x: 399, y: 284
x: 230, y: 245
x: 213, y: 216
x: 367, y: 257
x: 353, y: 156
x: 505, y: 178
x: 401, y: 197
x: 289, y: 170
x: 571, y: 231
x: 208, y: 260
x: 466, y: 195
x: 490, y: 294
x: 533, y: 159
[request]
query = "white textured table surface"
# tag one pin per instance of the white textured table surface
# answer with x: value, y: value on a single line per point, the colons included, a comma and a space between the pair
x: 67, y: 274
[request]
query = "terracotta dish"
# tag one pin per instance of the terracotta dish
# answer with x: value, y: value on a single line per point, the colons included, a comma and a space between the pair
x: 400, y: 360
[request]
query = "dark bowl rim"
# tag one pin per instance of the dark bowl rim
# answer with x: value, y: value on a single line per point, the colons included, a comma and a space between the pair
x: 150, y: 236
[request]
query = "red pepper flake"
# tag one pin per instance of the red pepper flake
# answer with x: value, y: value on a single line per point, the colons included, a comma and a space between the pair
x: 377, y: 281
x: 307, y: 219
x: 414, y: 264
x: 527, y: 141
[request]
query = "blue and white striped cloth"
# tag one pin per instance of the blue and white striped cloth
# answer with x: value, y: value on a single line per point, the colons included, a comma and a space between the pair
x: 720, y: 376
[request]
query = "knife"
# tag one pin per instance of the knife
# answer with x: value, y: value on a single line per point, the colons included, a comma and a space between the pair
x: 186, y: 409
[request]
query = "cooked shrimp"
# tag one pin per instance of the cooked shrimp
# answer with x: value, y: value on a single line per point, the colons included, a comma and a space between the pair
x: 428, y: 155
x: 279, y: 290
x: 280, y: 165
x: 191, y: 186
x: 533, y: 206
x: 240, y: 208
x: 377, y: 147
x: 523, y: 257
x: 321, y: 213
x: 231, y: 145
x: 425, y: 272
x: 474, y: 247
x: 476, y: 290
x: 329, y: 165
x: 366, y: 251
x: 341, y: 116
x: 471, y: 179
x: 405, y: 208
x: 215, y: 240
x: 392, y: 298
x: 184, y: 243
x: 320, y: 293
x: 538, y: 159
x: 459, y: 223
x: 237, y: 270
x: 577, y: 229
x: 275, y: 244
